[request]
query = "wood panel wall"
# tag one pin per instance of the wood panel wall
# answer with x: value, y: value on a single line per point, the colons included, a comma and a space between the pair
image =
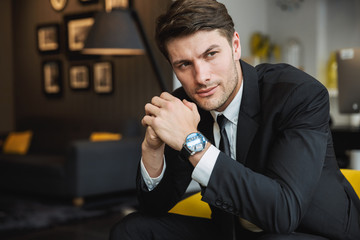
x: 134, y: 80
x: 6, y: 66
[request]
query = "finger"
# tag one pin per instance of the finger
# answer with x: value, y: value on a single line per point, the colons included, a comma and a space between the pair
x: 164, y: 100
x: 188, y: 104
x: 158, y: 101
x: 151, y: 130
x: 167, y: 96
x: 143, y: 122
x: 151, y: 109
x: 152, y: 133
x: 194, y: 107
x: 147, y: 120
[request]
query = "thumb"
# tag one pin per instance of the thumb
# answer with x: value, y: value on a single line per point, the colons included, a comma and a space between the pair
x: 190, y: 105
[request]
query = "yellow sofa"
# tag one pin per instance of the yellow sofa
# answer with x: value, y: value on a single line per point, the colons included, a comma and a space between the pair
x: 353, y: 176
x: 193, y: 206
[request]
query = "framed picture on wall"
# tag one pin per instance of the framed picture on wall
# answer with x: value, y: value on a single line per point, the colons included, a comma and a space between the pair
x: 79, y: 77
x: 48, y: 38
x: 88, y: 1
x: 52, y: 77
x: 103, y: 77
x: 111, y: 4
x: 77, y: 28
x: 58, y: 5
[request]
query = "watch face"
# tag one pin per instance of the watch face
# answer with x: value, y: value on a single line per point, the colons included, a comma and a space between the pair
x: 195, y: 142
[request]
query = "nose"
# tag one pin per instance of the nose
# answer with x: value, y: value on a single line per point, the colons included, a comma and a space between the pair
x: 201, y: 72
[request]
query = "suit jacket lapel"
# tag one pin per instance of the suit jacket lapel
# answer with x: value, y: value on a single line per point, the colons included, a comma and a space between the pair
x: 249, y: 112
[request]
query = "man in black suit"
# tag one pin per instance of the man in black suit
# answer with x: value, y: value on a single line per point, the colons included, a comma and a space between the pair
x: 275, y: 177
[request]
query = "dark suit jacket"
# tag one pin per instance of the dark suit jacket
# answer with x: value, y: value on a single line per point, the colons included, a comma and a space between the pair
x: 286, y: 177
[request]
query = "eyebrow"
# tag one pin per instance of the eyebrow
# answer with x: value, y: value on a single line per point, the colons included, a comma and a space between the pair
x: 209, y: 49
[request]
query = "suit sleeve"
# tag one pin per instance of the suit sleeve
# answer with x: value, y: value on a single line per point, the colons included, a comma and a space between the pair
x: 169, y: 191
x: 276, y: 199
x: 171, y: 188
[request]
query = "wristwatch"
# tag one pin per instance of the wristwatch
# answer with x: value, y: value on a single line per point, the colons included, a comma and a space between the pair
x: 194, y: 142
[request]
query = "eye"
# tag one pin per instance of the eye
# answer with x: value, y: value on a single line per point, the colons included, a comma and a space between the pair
x: 211, y: 54
x: 183, y: 64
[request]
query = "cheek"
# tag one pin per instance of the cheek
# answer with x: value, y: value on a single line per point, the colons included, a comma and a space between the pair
x: 221, y: 67
x: 185, y: 81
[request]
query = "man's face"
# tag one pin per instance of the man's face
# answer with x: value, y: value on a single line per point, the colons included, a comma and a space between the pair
x: 207, y: 67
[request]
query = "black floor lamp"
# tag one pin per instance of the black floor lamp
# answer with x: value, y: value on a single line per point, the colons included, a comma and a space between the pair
x: 120, y: 32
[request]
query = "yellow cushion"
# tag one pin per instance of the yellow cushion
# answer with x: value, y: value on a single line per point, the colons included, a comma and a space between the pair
x: 17, y: 142
x: 192, y: 206
x: 104, y: 136
x: 353, y: 176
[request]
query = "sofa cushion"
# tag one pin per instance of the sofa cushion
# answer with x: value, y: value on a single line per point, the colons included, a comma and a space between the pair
x: 105, y: 136
x: 17, y: 142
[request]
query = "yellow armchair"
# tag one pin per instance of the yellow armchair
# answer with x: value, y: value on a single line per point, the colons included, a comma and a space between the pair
x: 193, y: 206
x: 353, y: 176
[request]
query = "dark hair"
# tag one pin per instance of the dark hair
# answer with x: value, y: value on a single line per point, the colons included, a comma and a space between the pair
x: 186, y: 17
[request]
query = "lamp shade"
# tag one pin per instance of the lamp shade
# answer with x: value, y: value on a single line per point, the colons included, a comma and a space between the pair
x: 114, y: 33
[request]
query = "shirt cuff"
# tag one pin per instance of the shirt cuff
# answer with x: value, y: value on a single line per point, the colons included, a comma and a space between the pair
x: 150, y: 182
x: 203, y: 169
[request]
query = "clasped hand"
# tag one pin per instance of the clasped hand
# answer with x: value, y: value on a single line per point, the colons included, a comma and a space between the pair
x: 169, y: 120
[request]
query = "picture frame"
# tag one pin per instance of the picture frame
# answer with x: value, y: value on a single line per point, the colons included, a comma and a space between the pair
x: 88, y: 1
x: 52, y: 77
x: 48, y: 38
x: 58, y: 5
x: 79, y: 77
x: 112, y: 4
x: 103, y: 77
x: 77, y: 27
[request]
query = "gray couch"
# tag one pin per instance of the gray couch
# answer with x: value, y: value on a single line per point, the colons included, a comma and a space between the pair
x: 74, y: 168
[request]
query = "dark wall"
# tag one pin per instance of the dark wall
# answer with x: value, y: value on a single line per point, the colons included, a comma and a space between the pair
x: 134, y: 80
x: 6, y: 64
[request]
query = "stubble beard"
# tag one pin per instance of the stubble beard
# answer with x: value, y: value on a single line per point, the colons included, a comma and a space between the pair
x: 216, y: 104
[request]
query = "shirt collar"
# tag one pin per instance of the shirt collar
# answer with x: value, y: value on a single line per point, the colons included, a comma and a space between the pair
x: 232, y: 111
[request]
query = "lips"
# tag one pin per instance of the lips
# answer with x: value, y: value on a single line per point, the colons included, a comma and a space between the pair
x: 206, y: 92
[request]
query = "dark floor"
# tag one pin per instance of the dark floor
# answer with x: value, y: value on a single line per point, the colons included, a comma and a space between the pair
x: 90, y: 229
x: 94, y: 228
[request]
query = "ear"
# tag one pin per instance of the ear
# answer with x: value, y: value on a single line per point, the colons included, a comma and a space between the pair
x: 236, y: 46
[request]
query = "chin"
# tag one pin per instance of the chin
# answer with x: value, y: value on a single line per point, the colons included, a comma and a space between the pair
x: 208, y: 103
x: 209, y: 106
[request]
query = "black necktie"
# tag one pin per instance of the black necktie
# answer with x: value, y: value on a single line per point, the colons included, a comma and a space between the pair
x: 224, y: 145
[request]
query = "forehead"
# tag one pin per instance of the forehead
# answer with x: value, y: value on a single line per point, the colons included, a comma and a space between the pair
x: 195, y: 44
